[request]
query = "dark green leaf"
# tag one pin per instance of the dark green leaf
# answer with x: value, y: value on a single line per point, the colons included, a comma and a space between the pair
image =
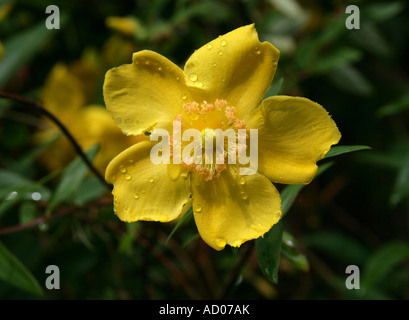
x: 337, y: 150
x: 268, y: 249
x: 337, y: 245
x: 290, y: 252
x: 341, y: 56
x: 21, y: 48
x: 349, y: 79
x: 384, y: 260
x: 187, y: 216
x: 71, y: 179
x: 12, y: 271
x: 394, y: 107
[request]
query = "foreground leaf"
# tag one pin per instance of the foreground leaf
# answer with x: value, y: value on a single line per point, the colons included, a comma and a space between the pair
x: 12, y: 271
x: 268, y: 249
x: 384, y: 260
x: 338, y: 150
x: 72, y: 178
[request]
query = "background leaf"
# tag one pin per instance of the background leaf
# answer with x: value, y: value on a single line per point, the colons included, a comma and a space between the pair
x: 12, y: 271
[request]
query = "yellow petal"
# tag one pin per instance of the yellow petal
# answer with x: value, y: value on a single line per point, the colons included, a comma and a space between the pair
x: 233, y: 209
x: 94, y: 125
x: 294, y: 133
x: 147, y: 93
x: 62, y: 93
x: 236, y: 67
x: 142, y: 190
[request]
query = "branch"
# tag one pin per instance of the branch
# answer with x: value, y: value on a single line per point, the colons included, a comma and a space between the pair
x: 37, y: 106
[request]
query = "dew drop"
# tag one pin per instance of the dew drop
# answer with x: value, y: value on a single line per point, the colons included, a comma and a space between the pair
x: 159, y: 68
x: 122, y: 169
x: 220, y: 52
x: 223, y: 43
x: 184, y: 97
x: 177, y: 78
x: 136, y: 195
x: 257, y: 50
x: 209, y: 46
x: 199, y: 84
x: 242, y: 181
x: 118, y: 120
x: 214, y: 65
x: 151, y: 180
x: 220, y: 242
x: 243, y: 195
x: 193, y: 77
x: 128, y: 177
x: 197, y: 208
x: 277, y: 215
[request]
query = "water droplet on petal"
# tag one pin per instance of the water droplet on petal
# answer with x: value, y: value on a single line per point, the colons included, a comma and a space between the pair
x: 151, y: 180
x: 257, y: 50
x: 277, y: 215
x: 136, y: 195
x: 193, y: 77
x: 243, y: 195
x: 197, y: 208
x: 223, y: 43
x: 177, y: 78
x: 220, y: 52
x: 220, y: 242
x: 159, y: 68
x: 199, y: 84
x: 242, y: 181
x: 122, y: 169
x: 128, y: 177
x: 209, y: 46
x: 184, y: 97
x: 118, y: 120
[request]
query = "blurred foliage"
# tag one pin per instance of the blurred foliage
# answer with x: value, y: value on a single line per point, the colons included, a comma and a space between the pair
x: 356, y: 212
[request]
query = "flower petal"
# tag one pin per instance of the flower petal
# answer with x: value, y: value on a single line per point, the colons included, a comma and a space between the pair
x: 232, y: 209
x: 147, y: 93
x: 93, y: 125
x: 235, y: 67
x: 143, y: 190
x: 294, y: 133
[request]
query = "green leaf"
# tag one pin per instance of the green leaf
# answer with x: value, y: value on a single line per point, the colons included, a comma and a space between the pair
x: 341, y: 56
x: 268, y: 249
x: 338, y: 150
x: 12, y: 271
x: 383, y: 11
x: 349, y: 79
x: 21, y: 48
x: 337, y: 245
x: 187, y: 216
x: 400, y: 190
x: 396, y: 106
x: 15, y: 188
x: 289, y: 251
x: 71, y: 179
x: 90, y: 189
x: 384, y: 260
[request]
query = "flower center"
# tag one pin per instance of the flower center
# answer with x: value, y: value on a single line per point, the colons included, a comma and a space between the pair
x: 209, y: 151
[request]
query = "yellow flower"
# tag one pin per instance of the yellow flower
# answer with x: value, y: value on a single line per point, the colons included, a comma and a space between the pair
x: 221, y: 86
x: 64, y: 94
x: 124, y: 25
